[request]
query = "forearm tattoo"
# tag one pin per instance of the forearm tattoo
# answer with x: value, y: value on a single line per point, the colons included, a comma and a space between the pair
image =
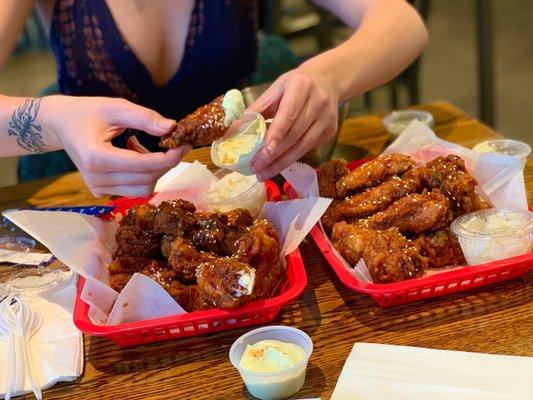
x: 25, y: 129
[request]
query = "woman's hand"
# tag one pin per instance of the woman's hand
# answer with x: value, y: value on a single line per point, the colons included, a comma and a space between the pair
x: 304, y: 107
x: 84, y: 127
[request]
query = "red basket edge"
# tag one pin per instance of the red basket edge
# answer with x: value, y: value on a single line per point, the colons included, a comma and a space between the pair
x: 294, y: 266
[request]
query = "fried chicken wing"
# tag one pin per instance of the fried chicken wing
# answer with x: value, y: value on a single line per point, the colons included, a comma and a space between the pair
x: 350, y: 239
x: 135, y: 236
x: 441, y: 249
x: 373, y: 173
x: 175, y: 218
x: 389, y: 256
x: 328, y: 175
x: 260, y: 247
x: 414, y: 213
x: 449, y: 175
x: 185, y: 259
x: 330, y: 216
x: 380, y: 197
x: 225, y: 282
x: 200, y: 128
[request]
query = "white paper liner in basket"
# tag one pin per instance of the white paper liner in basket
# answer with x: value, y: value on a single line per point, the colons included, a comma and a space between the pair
x: 86, y: 245
x: 500, y: 178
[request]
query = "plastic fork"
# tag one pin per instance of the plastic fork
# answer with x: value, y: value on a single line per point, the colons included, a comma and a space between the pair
x: 24, y: 322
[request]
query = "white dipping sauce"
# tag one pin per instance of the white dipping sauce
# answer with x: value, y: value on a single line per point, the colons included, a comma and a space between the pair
x: 494, y: 234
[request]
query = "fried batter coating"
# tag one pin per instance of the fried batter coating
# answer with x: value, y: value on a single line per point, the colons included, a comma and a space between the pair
x: 373, y: 173
x: 349, y: 240
x: 414, y: 213
x: 224, y: 282
x: 184, y: 258
x: 260, y: 247
x: 331, y: 216
x: 389, y: 256
x: 328, y: 175
x: 175, y: 217
x: 135, y: 236
x: 441, y: 249
x: 449, y: 175
x: 380, y: 197
x: 167, y: 277
x: 200, y: 128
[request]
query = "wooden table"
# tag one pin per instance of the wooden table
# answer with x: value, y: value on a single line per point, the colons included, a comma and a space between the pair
x: 497, y: 319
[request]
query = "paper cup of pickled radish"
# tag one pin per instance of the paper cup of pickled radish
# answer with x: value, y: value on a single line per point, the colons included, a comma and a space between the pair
x: 235, y: 150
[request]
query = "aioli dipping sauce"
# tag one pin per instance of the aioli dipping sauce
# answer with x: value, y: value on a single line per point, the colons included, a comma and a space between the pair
x: 504, y: 146
x: 272, y: 360
x: 271, y: 356
x: 243, y: 140
x: 494, y: 234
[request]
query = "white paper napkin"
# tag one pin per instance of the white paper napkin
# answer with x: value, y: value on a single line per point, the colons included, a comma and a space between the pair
x: 377, y: 372
x: 58, y: 345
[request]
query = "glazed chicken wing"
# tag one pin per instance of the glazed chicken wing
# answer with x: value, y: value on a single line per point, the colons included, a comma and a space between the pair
x: 135, y: 236
x: 167, y: 277
x: 389, y: 256
x: 441, y: 249
x: 260, y: 247
x: 373, y: 173
x: 380, y: 197
x: 414, y: 213
x: 449, y: 175
x: 200, y: 128
x: 328, y: 175
x: 224, y: 282
x: 185, y: 259
x: 175, y: 218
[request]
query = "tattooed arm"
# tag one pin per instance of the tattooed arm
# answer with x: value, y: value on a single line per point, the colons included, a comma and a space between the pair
x: 84, y: 127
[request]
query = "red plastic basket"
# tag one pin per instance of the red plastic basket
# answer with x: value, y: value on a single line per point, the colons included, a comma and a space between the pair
x: 438, y: 284
x: 200, y: 322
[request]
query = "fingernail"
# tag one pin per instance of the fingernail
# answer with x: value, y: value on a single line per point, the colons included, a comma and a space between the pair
x: 260, y: 177
x: 164, y: 123
x: 271, y: 147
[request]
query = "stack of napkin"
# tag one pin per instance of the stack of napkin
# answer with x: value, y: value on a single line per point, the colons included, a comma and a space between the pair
x: 375, y: 371
x: 58, y: 345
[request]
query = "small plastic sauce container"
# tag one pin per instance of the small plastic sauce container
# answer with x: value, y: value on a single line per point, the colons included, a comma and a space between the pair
x: 241, y: 161
x: 273, y: 385
x: 233, y: 190
x: 494, y: 234
x: 396, y: 122
x: 504, y: 146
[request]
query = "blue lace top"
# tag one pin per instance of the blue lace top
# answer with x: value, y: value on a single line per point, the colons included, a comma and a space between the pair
x: 94, y: 60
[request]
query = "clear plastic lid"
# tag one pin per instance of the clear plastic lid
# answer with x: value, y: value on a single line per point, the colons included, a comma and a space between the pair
x: 504, y: 146
x: 494, y: 222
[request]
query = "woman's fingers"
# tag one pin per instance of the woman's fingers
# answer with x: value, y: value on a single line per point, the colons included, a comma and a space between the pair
x: 124, y: 190
x: 112, y: 159
x: 129, y: 115
x: 308, y: 115
x: 321, y: 131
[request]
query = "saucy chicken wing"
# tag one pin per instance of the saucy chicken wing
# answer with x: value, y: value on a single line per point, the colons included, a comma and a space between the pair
x: 441, y: 249
x: 260, y: 247
x: 224, y: 282
x: 373, y: 173
x: 175, y: 217
x: 135, y: 236
x: 185, y: 259
x: 414, y: 213
x: 200, y: 128
x: 449, y: 175
x: 328, y: 175
x: 380, y: 197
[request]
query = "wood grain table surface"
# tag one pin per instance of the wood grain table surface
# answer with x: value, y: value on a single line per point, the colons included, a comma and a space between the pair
x: 497, y: 319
